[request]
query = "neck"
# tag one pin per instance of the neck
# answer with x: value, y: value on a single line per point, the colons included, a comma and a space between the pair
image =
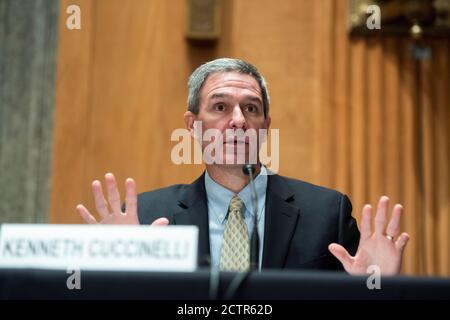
x: 230, y: 176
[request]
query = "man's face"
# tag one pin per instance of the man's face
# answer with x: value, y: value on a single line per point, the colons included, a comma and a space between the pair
x: 230, y: 101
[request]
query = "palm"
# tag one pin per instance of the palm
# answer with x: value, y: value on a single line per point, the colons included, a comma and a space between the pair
x: 116, y: 215
x: 121, y: 218
x: 376, y: 248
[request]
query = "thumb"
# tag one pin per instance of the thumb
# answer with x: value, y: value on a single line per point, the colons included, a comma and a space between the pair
x: 341, y: 254
x: 160, y: 222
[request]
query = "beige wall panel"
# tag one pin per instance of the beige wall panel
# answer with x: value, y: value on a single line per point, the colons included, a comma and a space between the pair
x: 70, y: 184
x: 375, y: 58
x: 340, y: 102
x: 410, y: 181
x: 441, y: 70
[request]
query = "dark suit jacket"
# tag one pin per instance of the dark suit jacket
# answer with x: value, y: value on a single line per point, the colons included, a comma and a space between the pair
x: 301, y: 221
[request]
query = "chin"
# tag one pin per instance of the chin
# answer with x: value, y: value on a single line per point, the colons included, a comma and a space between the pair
x: 238, y: 159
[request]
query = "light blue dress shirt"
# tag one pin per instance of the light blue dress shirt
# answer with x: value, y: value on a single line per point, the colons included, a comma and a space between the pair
x: 219, y: 198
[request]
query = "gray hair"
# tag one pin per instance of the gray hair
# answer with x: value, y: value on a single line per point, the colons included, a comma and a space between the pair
x: 199, y: 76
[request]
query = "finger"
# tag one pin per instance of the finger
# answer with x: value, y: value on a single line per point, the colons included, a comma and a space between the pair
x: 100, y: 202
x: 84, y: 213
x: 341, y: 254
x: 402, y: 241
x: 113, y: 193
x: 366, y: 221
x: 130, y: 197
x: 393, y: 228
x: 160, y: 222
x: 380, y: 218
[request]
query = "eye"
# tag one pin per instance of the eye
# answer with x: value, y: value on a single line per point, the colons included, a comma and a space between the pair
x: 251, y: 108
x: 219, y: 107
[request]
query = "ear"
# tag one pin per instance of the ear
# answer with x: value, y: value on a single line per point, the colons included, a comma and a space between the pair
x: 189, y: 119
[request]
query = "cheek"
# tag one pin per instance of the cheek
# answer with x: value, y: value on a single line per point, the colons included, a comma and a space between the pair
x: 256, y: 124
x: 220, y: 124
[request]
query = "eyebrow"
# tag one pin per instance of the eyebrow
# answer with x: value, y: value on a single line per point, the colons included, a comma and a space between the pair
x: 225, y: 95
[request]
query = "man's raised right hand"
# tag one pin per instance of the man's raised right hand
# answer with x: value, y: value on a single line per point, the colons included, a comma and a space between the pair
x: 130, y: 215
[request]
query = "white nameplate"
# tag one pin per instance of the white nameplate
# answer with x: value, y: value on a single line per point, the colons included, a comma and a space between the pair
x: 99, y: 247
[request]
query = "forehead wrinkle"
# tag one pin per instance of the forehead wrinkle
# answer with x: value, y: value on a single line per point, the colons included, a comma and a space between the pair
x: 229, y: 95
x: 211, y: 95
x: 241, y: 85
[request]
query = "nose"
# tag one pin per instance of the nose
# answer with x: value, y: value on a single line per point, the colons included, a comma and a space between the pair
x: 238, y: 120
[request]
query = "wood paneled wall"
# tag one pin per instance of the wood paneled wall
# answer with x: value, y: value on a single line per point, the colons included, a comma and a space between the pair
x: 385, y: 121
x: 346, y: 108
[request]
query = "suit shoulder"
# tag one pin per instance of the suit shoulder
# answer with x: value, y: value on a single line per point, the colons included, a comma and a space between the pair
x: 310, y: 195
x: 161, y: 193
x: 159, y: 203
x: 300, y: 186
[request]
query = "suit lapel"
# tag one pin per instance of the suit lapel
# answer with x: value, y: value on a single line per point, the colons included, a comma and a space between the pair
x: 195, y: 212
x: 280, y: 219
x: 280, y: 222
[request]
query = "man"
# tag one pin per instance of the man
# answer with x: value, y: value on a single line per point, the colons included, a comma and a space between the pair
x: 300, y: 225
